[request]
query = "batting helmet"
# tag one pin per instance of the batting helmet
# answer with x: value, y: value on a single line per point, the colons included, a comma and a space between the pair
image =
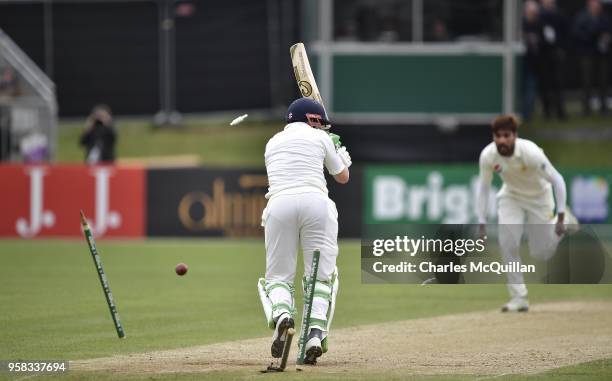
x: 308, y: 111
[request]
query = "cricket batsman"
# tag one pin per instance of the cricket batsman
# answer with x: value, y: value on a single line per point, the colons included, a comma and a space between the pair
x: 526, y: 197
x: 299, y: 212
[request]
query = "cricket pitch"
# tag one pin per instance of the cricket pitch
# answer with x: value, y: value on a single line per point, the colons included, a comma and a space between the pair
x: 551, y: 335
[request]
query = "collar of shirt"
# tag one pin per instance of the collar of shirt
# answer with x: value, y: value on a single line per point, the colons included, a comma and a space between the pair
x: 297, y: 124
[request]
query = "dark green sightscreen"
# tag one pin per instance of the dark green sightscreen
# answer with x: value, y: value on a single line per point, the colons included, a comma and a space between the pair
x: 418, y: 84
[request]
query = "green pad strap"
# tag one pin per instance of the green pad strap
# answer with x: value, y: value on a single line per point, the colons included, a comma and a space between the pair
x: 283, y: 307
x: 271, y: 285
x: 321, y: 323
x: 322, y: 294
x: 323, y: 290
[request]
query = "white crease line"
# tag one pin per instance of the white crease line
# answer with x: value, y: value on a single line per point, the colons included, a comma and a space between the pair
x: 491, y: 377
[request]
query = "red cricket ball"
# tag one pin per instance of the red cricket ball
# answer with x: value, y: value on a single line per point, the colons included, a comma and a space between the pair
x: 181, y: 269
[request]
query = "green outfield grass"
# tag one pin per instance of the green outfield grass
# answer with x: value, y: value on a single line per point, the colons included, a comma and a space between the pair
x: 572, y: 153
x: 594, y: 121
x: 52, y: 306
x: 578, y: 154
x: 215, y: 143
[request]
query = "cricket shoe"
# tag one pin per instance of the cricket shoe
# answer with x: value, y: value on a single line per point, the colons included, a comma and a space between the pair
x: 517, y: 304
x: 313, y: 349
x: 283, y: 324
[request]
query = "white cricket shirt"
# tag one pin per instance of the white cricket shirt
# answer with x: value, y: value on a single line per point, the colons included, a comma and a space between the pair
x: 295, y: 158
x: 525, y: 173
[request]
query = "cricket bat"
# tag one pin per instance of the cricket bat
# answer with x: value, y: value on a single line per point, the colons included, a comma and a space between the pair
x: 303, y: 73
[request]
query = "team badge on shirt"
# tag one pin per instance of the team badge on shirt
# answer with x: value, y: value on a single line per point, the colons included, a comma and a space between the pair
x: 497, y: 168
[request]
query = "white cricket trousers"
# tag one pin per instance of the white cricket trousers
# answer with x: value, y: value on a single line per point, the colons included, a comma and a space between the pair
x: 513, y: 215
x: 309, y: 219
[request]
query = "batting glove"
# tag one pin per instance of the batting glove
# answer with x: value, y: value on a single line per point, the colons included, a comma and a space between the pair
x: 344, y: 155
x: 335, y: 138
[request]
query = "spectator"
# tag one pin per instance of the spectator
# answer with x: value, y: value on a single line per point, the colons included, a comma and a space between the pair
x: 99, y: 137
x: 591, y: 30
x: 438, y: 31
x: 554, y: 31
x: 532, y: 36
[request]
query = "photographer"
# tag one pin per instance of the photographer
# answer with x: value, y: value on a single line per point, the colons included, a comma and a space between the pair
x: 99, y: 137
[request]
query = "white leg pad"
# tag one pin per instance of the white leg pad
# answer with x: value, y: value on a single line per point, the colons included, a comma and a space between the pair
x: 266, y: 303
x: 332, y: 305
x: 276, y: 298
